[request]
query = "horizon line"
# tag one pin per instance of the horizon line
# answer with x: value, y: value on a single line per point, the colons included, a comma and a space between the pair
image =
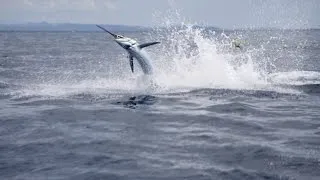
x: 149, y: 26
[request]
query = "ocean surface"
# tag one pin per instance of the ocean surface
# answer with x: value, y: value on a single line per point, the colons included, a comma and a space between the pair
x: 70, y: 108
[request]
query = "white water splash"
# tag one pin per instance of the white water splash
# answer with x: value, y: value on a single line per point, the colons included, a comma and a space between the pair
x: 194, y: 58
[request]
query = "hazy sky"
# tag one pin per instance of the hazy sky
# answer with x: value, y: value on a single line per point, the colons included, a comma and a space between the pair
x: 221, y: 13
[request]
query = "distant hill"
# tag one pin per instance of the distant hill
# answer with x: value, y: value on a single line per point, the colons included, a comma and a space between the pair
x: 44, y: 26
x: 73, y: 27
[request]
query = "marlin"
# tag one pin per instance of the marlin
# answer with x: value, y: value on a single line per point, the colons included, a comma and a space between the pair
x: 134, y: 50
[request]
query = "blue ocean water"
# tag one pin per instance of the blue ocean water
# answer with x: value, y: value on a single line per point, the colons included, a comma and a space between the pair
x: 72, y: 109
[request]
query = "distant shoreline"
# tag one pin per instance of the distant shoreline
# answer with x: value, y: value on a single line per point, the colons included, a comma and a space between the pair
x: 66, y: 27
x: 73, y: 27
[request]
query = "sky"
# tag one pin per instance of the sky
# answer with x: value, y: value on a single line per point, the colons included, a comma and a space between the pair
x: 218, y: 13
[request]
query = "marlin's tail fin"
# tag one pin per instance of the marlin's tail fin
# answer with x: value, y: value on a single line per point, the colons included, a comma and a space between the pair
x: 147, y: 44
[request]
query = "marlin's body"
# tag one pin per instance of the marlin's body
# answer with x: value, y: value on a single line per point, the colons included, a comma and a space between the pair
x: 134, y: 51
x: 144, y: 62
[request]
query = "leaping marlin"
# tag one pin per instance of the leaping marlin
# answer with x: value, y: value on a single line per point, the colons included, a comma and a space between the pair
x: 134, y: 50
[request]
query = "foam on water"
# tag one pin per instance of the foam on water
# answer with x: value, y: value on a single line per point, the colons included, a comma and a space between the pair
x: 295, y: 78
x: 96, y: 86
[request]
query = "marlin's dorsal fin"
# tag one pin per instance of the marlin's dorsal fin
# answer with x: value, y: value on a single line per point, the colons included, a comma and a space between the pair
x: 147, y: 44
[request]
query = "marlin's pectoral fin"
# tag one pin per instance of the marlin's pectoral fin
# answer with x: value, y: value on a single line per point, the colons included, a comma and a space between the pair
x: 147, y: 44
x: 131, y: 62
